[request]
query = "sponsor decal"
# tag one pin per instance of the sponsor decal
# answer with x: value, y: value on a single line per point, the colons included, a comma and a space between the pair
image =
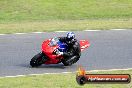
x: 82, y: 77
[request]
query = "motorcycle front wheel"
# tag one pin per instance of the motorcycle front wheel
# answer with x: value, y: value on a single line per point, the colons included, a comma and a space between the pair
x: 37, y: 60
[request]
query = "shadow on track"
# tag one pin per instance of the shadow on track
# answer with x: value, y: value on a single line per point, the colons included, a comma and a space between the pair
x: 55, y: 66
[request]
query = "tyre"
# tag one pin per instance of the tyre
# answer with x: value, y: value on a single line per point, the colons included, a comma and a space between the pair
x: 37, y: 60
x: 70, y: 61
x: 66, y: 63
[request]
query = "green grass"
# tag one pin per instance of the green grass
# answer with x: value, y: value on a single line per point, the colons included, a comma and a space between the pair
x: 51, y: 15
x: 67, y: 25
x: 19, y: 10
x: 58, y: 81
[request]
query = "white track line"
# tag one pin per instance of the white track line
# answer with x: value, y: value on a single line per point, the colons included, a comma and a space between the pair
x: 118, y: 29
x: 34, y: 75
x: 67, y: 31
x: 20, y: 33
x: 14, y: 76
x: 92, y: 30
x: 111, y: 70
x: 65, y: 73
x: 2, y: 34
x: 61, y: 31
x: 37, y: 32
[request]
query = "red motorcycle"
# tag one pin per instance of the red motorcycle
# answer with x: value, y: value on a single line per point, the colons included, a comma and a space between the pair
x: 49, y: 49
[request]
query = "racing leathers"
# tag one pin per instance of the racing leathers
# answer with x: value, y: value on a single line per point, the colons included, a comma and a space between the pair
x: 73, y: 53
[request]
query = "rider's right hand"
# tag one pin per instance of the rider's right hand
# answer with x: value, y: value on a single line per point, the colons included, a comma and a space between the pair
x: 57, y: 52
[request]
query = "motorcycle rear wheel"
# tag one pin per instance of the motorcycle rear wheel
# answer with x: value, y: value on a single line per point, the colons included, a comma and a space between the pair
x: 69, y: 62
x: 66, y: 63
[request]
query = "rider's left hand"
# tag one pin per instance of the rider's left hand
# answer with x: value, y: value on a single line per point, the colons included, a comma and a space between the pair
x: 60, y: 53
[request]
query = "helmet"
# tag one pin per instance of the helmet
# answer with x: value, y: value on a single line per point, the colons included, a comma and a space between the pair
x: 70, y: 36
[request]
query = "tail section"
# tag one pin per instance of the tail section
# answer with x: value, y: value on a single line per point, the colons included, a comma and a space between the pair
x: 84, y: 44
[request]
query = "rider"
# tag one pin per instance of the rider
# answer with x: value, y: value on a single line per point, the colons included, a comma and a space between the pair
x: 73, y: 54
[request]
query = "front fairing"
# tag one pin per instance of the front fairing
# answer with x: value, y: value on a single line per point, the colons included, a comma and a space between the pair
x: 48, y: 48
x: 84, y: 44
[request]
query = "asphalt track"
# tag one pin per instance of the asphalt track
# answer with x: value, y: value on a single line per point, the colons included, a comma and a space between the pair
x: 109, y: 50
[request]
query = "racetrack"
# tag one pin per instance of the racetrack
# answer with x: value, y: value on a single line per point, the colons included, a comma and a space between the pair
x: 109, y: 50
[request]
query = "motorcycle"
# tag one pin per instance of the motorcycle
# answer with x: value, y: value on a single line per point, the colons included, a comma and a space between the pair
x: 49, y: 49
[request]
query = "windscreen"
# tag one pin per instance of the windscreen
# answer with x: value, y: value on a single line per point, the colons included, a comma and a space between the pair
x: 54, y: 41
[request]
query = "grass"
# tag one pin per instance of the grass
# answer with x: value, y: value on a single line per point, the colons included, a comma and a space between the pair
x: 58, y: 81
x: 19, y: 10
x: 52, y: 15
x: 67, y: 25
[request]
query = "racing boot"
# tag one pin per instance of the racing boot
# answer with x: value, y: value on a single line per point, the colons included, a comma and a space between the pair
x: 71, y: 61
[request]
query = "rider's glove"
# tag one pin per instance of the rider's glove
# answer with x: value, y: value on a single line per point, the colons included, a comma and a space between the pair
x: 58, y: 52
